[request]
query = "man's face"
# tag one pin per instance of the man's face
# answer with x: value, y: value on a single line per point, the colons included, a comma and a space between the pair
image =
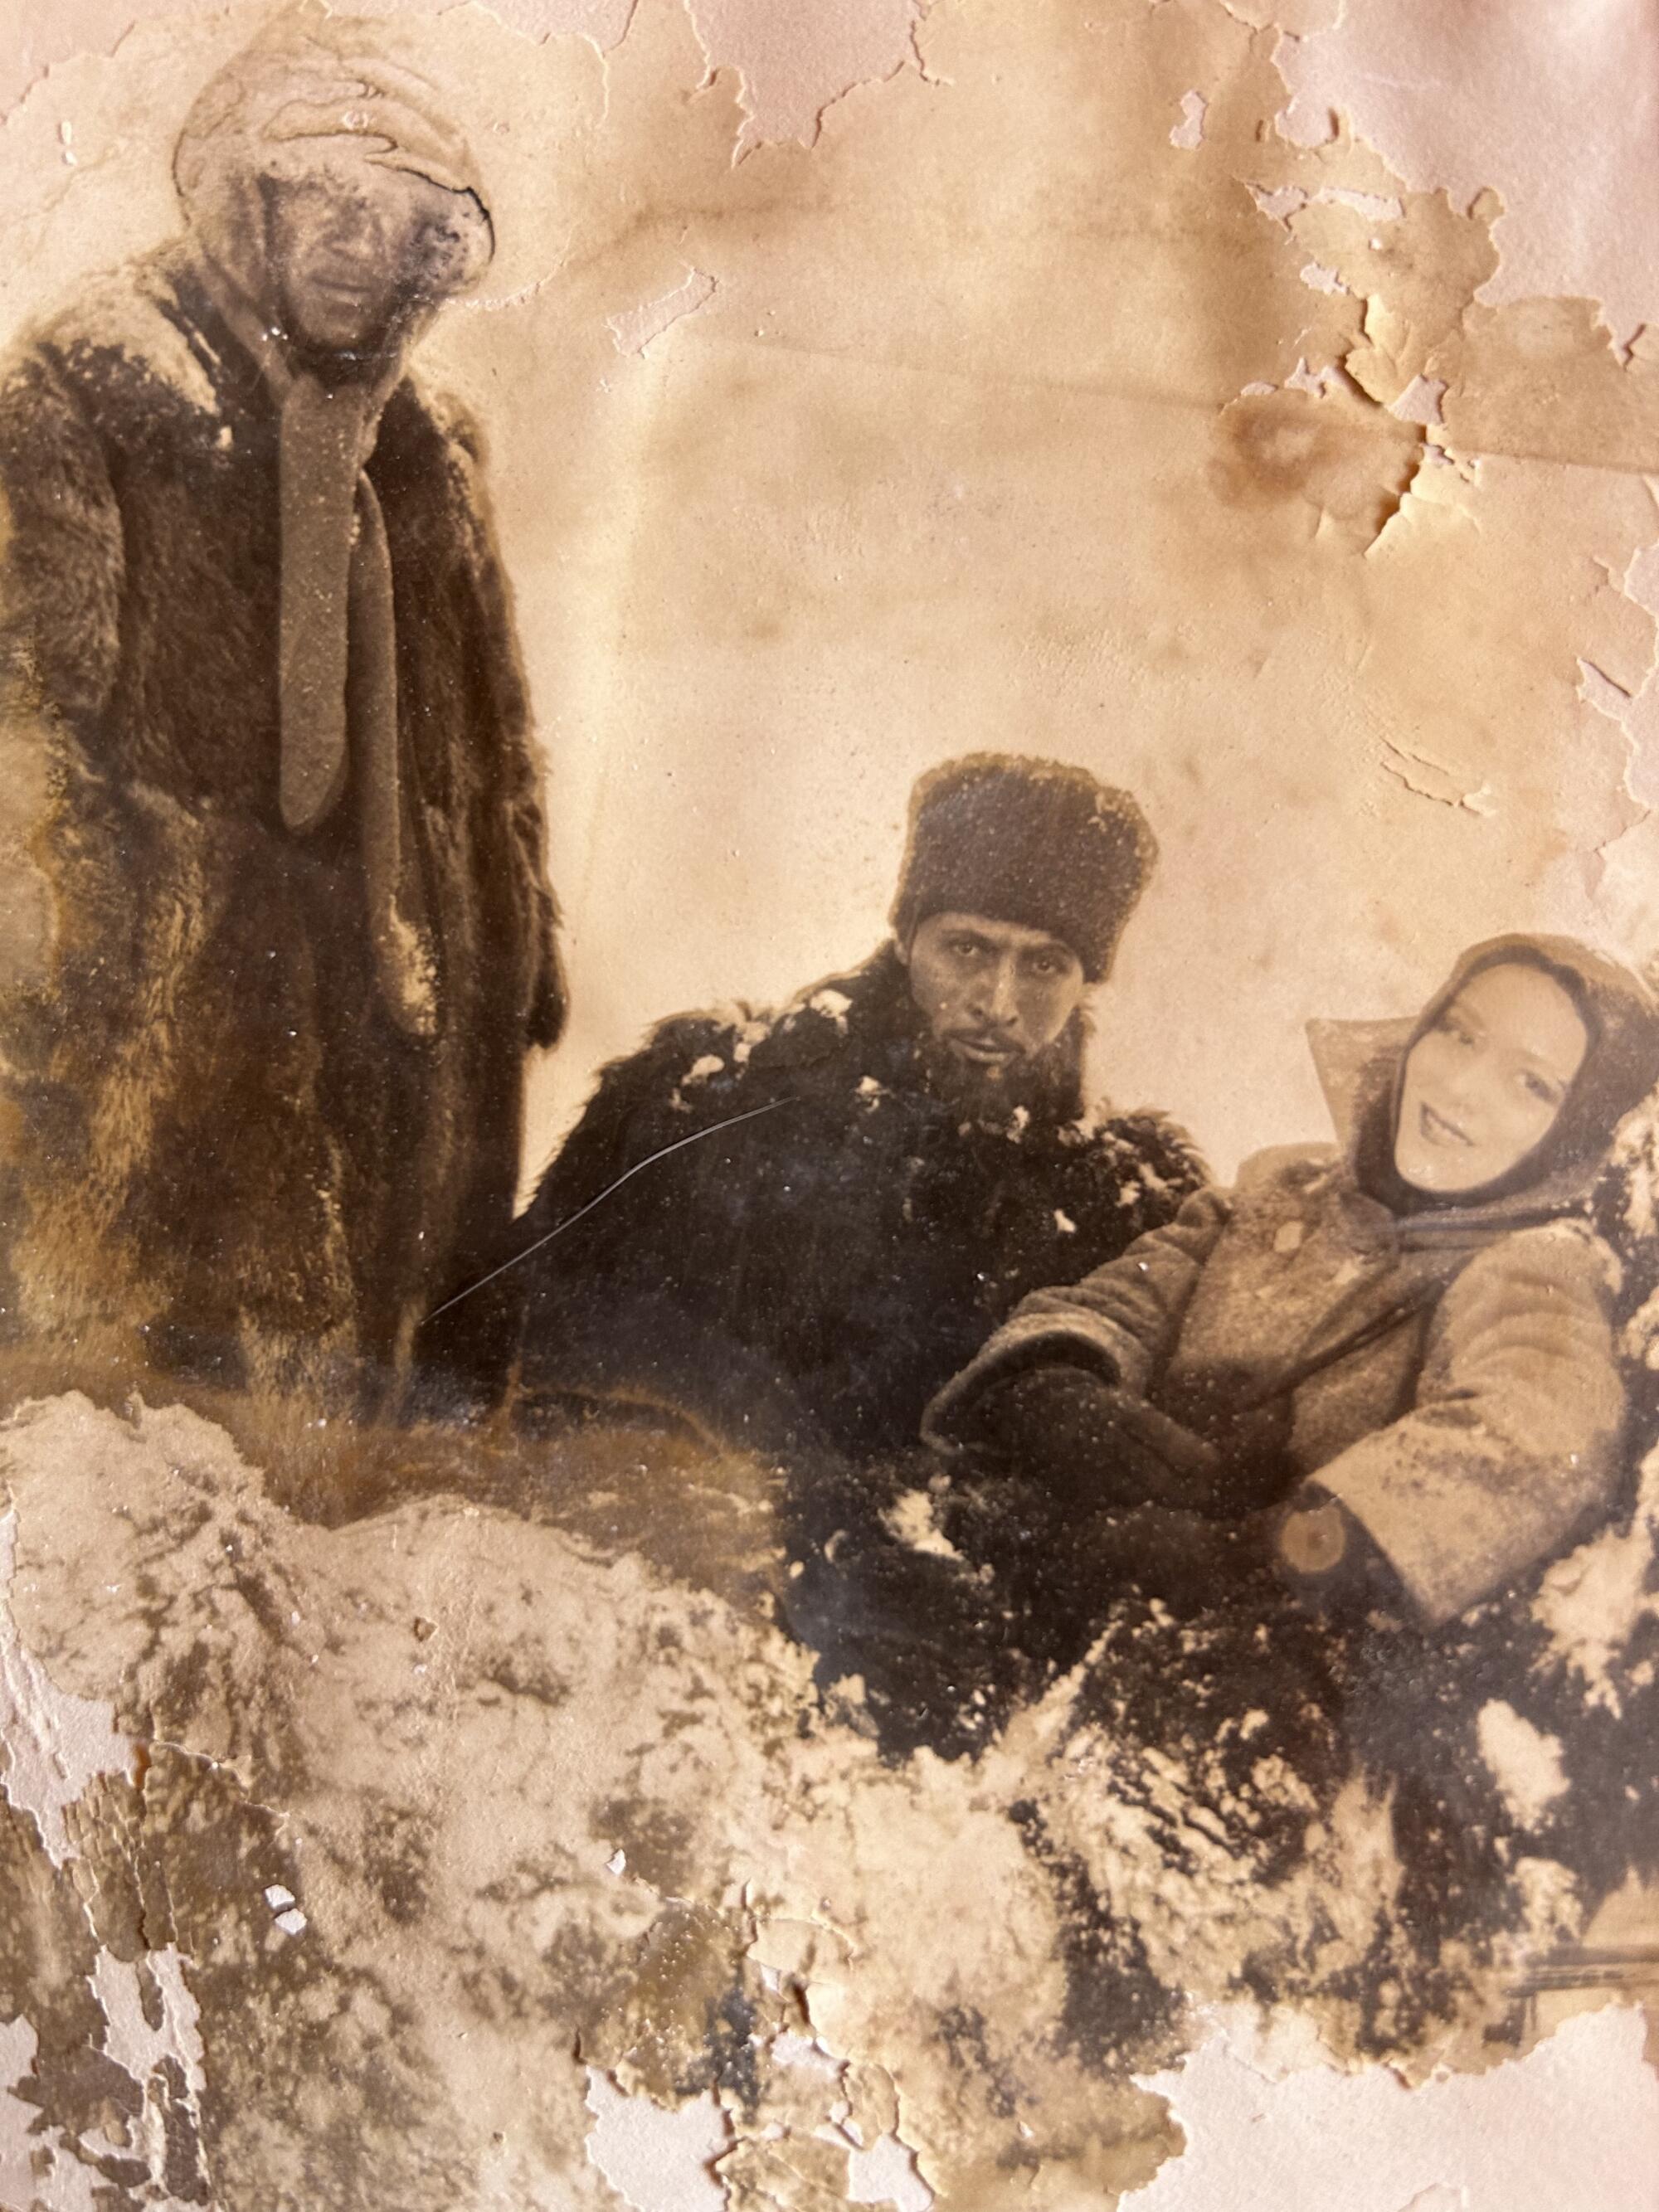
x: 994, y: 993
x: 354, y: 254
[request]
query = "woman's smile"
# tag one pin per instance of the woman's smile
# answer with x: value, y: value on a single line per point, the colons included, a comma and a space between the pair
x: 1438, y: 1128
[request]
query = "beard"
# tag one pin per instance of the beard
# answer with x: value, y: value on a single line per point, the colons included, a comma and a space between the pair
x: 1046, y: 1085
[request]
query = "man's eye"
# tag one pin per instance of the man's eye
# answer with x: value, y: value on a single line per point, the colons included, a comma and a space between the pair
x: 964, y: 948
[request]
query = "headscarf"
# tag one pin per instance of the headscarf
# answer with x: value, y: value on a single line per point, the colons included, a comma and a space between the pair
x: 320, y: 97
x: 1620, y: 1067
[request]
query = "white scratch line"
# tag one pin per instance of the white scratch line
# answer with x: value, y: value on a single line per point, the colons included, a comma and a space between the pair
x: 638, y: 1168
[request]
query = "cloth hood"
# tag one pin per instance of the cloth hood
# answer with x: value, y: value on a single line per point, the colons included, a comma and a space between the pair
x: 317, y: 96
x: 1361, y: 1065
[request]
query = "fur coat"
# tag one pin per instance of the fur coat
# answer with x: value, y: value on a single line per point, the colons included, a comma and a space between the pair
x: 777, y: 1225
x: 217, y: 1135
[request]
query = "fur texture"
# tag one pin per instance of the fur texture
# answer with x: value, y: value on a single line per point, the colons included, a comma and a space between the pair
x: 221, y: 1140
x: 818, y: 1269
x: 1034, y: 841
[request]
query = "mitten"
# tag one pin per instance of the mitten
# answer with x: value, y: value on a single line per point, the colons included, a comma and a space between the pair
x: 1090, y: 1443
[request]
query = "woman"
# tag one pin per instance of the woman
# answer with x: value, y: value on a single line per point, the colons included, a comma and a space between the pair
x: 1397, y: 1363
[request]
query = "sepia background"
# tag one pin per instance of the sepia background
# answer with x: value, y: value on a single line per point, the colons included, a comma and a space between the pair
x: 1053, y: 400
x: 1256, y: 407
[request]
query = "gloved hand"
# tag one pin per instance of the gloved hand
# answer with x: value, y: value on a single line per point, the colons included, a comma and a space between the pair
x: 1251, y: 1436
x: 1093, y: 1444
x: 1192, y: 1562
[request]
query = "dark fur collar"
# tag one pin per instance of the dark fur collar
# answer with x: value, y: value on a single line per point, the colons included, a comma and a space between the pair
x: 865, y: 1024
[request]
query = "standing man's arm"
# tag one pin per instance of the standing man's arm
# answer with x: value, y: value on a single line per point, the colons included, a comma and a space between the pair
x: 521, y: 769
x: 61, y: 576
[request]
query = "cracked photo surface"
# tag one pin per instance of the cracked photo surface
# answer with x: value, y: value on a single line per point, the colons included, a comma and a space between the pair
x: 828, y: 1106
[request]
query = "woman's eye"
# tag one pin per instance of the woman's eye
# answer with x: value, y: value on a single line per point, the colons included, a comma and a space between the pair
x: 1548, y: 1093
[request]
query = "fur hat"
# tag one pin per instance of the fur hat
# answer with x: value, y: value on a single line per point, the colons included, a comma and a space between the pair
x: 1038, y: 842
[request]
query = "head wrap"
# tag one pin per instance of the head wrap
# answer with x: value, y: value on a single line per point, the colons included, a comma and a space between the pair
x: 1037, y: 842
x: 318, y: 97
x: 1620, y: 1067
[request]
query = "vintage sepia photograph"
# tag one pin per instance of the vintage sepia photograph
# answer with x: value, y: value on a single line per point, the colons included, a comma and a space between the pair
x: 829, y: 1106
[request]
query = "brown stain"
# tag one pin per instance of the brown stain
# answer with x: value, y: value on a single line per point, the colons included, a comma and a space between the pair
x: 1347, y: 462
x: 683, y: 2025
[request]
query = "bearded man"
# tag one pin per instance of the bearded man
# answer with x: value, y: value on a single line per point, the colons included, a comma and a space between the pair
x: 284, y: 933
x: 788, y: 1227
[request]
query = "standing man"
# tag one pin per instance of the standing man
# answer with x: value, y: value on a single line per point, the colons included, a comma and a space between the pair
x: 793, y: 1227
x: 280, y: 933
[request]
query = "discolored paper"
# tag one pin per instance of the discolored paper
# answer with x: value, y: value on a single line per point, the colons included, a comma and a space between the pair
x: 409, y: 1804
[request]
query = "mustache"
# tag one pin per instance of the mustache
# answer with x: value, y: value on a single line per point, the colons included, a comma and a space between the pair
x: 1048, y: 1083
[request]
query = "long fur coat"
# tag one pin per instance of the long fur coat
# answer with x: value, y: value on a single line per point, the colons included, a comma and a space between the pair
x: 218, y: 1136
x: 835, y: 1238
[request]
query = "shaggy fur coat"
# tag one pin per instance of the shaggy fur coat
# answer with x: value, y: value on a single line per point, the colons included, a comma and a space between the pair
x: 218, y: 1135
x: 818, y: 1268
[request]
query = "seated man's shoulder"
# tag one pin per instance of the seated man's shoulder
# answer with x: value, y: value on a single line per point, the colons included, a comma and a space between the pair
x: 1146, y: 1147
x: 1129, y: 1172
x: 689, y: 1074
x: 688, y: 1055
x: 723, y: 1059
x: 831, y: 1030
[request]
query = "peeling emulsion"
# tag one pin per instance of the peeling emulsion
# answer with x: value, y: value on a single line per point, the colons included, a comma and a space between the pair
x: 54, y: 1745
x: 634, y: 332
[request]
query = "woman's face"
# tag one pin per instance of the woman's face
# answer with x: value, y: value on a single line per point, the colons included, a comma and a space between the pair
x: 1485, y: 1084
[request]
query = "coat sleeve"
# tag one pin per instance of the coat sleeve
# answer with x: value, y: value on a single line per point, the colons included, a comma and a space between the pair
x: 62, y: 579
x: 522, y: 769
x: 1512, y: 1445
x: 1122, y: 1320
